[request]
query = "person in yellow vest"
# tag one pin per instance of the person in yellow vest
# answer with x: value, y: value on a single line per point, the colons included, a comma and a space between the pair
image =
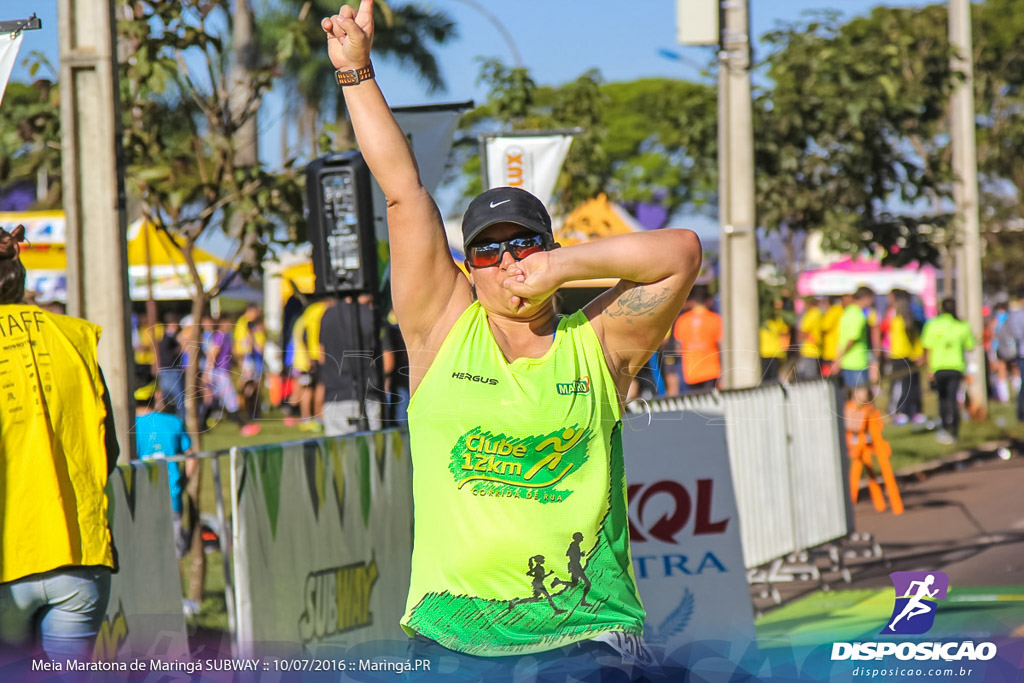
x: 812, y: 340
x: 830, y: 334
x: 773, y: 337
x: 906, y: 355
x: 57, y: 448
x: 515, y: 420
x: 306, y: 356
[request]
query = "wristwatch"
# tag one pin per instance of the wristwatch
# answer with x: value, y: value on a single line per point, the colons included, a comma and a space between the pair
x: 354, y: 76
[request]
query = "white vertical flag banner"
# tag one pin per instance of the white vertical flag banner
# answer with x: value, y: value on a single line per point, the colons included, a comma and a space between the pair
x: 528, y: 162
x: 8, y: 53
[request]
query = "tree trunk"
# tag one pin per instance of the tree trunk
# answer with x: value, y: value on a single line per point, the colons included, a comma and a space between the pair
x: 193, y: 397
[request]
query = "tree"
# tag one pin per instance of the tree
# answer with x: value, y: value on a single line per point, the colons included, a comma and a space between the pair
x: 851, y: 134
x: 405, y: 34
x: 30, y: 140
x: 651, y: 140
x: 181, y: 118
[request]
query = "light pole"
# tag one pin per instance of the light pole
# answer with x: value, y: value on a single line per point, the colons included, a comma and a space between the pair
x: 742, y: 368
x: 965, y: 193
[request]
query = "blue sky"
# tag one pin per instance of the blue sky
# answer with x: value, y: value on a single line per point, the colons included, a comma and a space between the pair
x: 558, y: 40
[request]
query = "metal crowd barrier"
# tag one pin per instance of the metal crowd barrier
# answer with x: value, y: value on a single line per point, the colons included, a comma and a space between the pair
x: 787, y: 458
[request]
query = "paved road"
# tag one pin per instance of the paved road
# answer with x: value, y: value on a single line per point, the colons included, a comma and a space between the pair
x: 968, y: 523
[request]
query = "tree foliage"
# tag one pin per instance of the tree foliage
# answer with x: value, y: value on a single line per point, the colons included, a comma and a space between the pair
x: 406, y: 34
x: 651, y: 140
x: 30, y: 139
x: 180, y: 121
x: 852, y: 134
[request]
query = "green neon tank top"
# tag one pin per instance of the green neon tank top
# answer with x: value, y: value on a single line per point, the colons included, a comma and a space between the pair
x: 521, y: 539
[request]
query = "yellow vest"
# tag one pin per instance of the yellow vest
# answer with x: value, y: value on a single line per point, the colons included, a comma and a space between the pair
x: 308, y: 350
x: 772, y: 336
x: 53, y: 461
x: 830, y: 332
x: 810, y: 325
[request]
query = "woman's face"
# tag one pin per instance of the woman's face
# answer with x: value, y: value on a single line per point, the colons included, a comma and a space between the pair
x: 488, y: 282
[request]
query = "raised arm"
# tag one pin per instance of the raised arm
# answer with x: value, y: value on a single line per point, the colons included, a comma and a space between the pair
x: 656, y: 270
x: 429, y: 291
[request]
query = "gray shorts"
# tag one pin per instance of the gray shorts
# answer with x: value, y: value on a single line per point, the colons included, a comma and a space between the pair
x: 342, y: 417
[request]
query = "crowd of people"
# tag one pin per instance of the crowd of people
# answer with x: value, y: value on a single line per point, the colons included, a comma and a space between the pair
x: 337, y: 368
x: 860, y: 339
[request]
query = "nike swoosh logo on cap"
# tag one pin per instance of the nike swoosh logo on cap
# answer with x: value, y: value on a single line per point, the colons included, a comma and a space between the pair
x: 497, y: 204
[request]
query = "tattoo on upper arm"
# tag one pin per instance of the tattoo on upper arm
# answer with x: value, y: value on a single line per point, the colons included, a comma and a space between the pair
x: 638, y: 300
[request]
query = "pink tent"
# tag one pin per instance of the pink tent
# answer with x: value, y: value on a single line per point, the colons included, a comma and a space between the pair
x: 843, y: 277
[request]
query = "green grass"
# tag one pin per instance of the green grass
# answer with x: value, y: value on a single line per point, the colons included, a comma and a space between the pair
x: 915, y: 444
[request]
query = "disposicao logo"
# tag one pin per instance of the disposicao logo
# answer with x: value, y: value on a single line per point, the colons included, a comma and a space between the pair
x: 917, y: 594
x: 913, y: 613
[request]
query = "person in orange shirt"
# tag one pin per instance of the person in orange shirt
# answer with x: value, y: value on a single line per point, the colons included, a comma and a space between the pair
x: 699, y: 333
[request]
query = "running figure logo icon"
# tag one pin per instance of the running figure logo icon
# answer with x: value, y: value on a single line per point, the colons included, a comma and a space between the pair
x: 917, y: 594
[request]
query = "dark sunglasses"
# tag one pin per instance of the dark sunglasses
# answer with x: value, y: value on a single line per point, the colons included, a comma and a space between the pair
x: 488, y: 254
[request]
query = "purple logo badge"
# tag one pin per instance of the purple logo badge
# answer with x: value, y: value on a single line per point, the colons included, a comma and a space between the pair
x: 917, y: 594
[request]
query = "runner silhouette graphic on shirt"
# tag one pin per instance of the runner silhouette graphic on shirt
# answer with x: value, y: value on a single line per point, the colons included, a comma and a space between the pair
x: 536, y: 570
x: 576, y: 573
x: 915, y: 605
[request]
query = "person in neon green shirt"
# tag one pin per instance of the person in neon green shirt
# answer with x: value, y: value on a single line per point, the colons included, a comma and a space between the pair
x: 855, y: 335
x: 945, y: 339
x: 515, y: 415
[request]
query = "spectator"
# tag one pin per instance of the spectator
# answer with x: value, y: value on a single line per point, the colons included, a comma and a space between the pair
x: 159, y: 435
x: 1014, y: 337
x: 830, y: 334
x: 773, y: 342
x: 218, y: 378
x: 170, y: 371
x: 855, y: 335
x: 906, y: 354
x: 352, y: 381
x: 250, y: 352
x: 56, y: 551
x: 810, y: 335
x: 699, y: 334
x: 945, y: 338
x: 306, y: 393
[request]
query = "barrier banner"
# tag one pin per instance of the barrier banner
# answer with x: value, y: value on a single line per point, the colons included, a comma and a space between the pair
x: 144, y: 616
x: 323, y: 541
x: 528, y: 162
x: 685, y: 530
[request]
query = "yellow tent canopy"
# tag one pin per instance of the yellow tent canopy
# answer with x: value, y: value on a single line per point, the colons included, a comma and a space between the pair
x: 302, y: 276
x: 593, y: 219
x: 162, y: 251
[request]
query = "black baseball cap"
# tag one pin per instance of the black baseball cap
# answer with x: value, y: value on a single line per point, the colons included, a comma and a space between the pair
x: 504, y: 205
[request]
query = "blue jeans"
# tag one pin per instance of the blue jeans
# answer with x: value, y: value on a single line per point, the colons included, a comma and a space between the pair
x: 856, y: 378
x: 172, y: 386
x: 66, y: 605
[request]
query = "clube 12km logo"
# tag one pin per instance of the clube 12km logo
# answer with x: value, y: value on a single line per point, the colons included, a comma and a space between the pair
x: 917, y: 597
